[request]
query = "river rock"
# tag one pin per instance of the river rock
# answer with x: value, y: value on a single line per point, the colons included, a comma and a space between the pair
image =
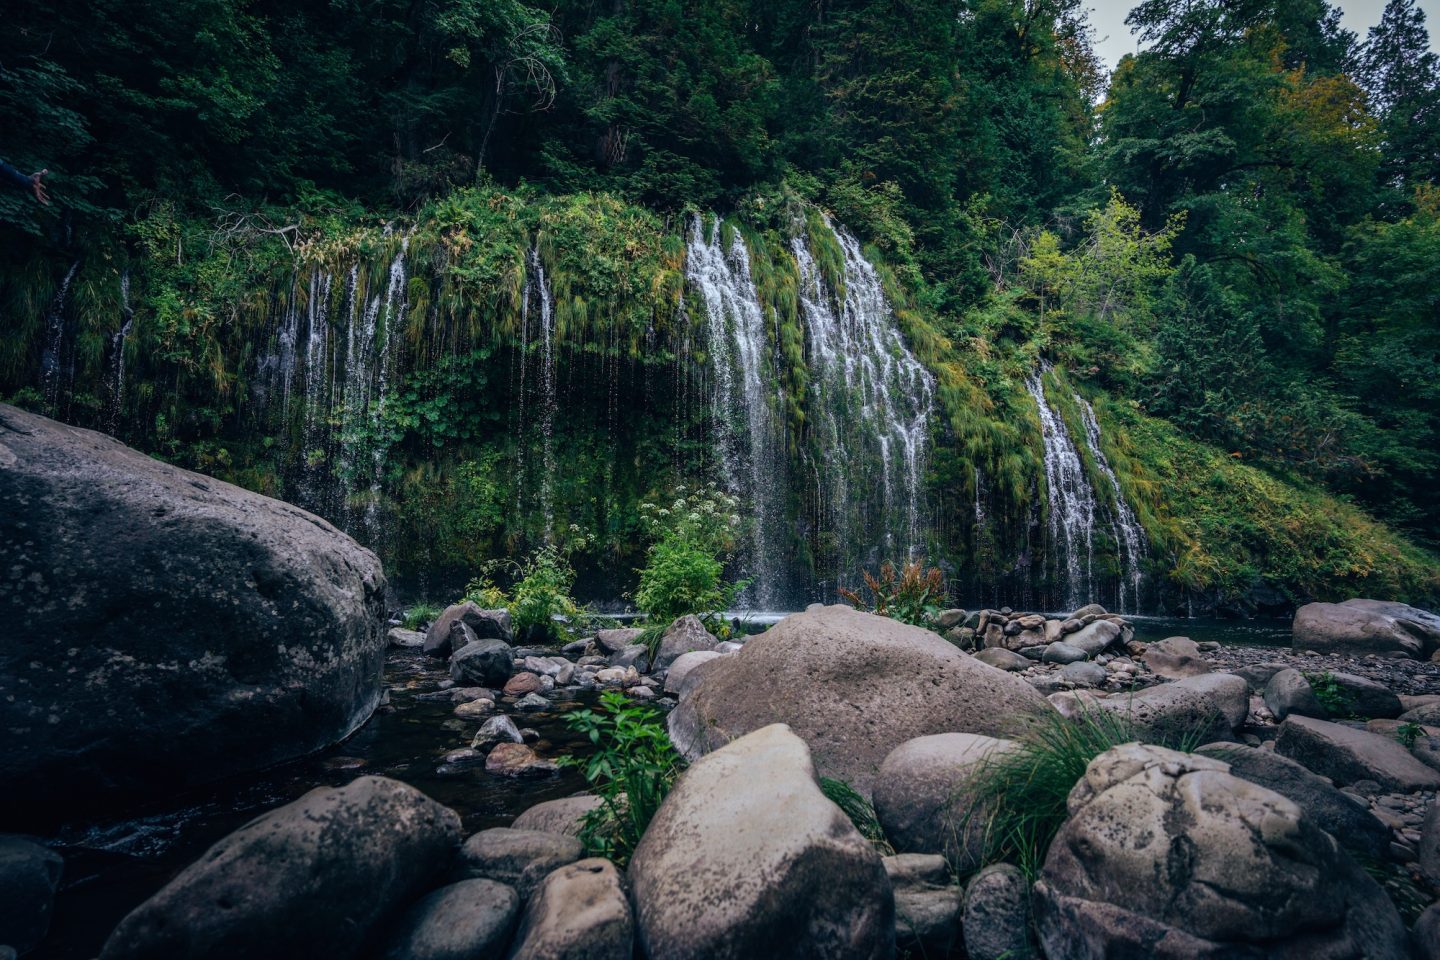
x: 1366, y: 698
x: 1175, y: 658
x: 1168, y: 855
x: 487, y: 663
x: 1429, y: 847
x: 165, y: 629
x: 636, y: 655
x: 1089, y: 610
x: 946, y: 619
x: 1343, y: 816
x: 613, y: 641
x: 329, y: 870
x: 996, y: 921
x: 1062, y: 653
x: 1211, y: 706
x: 1002, y: 659
x: 1427, y: 714
x: 516, y: 760
x: 579, y: 912
x: 927, y: 904
x: 29, y: 876
x: 1362, y: 628
x: 685, y: 635
x: 924, y: 796
x: 684, y: 665
x: 1258, y: 674
x: 518, y: 858
x: 1425, y: 935
x: 484, y: 624
x: 852, y: 685
x: 798, y: 879
x: 474, y: 709
x: 1289, y: 692
x: 1423, y: 623
x: 565, y: 816
x: 1083, y: 673
x: 1095, y: 637
x: 469, y: 919
x: 496, y: 730
x: 522, y: 683
x: 1347, y: 755
x: 403, y: 639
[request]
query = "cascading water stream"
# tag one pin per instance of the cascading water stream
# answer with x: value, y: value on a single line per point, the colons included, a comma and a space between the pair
x: 1130, y: 540
x: 536, y: 296
x: 52, y: 358
x: 117, y: 352
x: 1071, y: 499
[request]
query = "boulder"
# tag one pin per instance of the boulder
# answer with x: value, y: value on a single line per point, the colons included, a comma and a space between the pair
x: 925, y: 797
x: 579, y: 912
x: 636, y: 655
x: 1345, y: 817
x: 1360, y: 629
x: 1258, y: 674
x: 1002, y: 659
x: 1366, y: 698
x: 565, y: 816
x: 522, y: 683
x: 474, y: 709
x: 487, y: 663
x: 852, y: 685
x: 1429, y: 848
x: 683, y: 667
x: 1211, y: 706
x: 498, y: 729
x: 29, y: 876
x: 1095, y: 637
x: 747, y: 858
x: 517, y: 858
x: 1423, y: 623
x: 1425, y: 935
x: 1082, y: 673
x: 1427, y: 714
x: 1289, y: 692
x: 997, y: 915
x: 1175, y: 658
x: 1089, y: 610
x: 484, y: 624
x: 613, y: 641
x: 403, y: 639
x: 472, y: 918
x: 1062, y: 653
x: 947, y: 619
x: 517, y: 760
x: 1168, y: 855
x: 165, y: 629
x: 1347, y: 755
x: 329, y: 870
x: 927, y: 904
x: 686, y: 635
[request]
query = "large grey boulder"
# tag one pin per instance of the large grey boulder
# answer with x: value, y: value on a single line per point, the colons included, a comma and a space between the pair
x: 1168, y: 855
x: 617, y: 639
x: 997, y: 915
x: 1211, y: 706
x: 163, y: 628
x: 484, y: 663
x: 1363, y: 627
x: 1364, y: 697
x: 1345, y: 817
x: 517, y: 858
x: 1175, y: 658
x: 29, y: 876
x: 579, y: 912
x: 684, y: 666
x: 1429, y: 853
x: 484, y: 624
x: 321, y: 876
x: 685, y: 635
x: 852, y: 685
x: 565, y: 816
x: 927, y: 904
x: 1289, y: 692
x: 747, y: 858
x: 1425, y: 935
x: 1347, y: 755
x: 469, y: 919
x: 925, y: 796
x: 1095, y: 637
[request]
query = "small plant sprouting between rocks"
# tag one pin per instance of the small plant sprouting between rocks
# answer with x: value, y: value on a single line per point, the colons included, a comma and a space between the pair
x: 1021, y: 793
x: 1408, y: 733
x: 860, y: 811
x: 913, y: 596
x: 420, y: 615
x: 540, y: 601
x: 1332, y: 696
x: 632, y: 772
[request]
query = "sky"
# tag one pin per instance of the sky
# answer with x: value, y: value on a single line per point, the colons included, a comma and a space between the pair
x: 1113, y: 39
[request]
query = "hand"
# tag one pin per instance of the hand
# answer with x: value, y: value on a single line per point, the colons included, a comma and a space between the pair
x: 38, y: 188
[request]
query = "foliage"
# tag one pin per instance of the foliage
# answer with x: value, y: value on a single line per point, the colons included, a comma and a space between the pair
x: 859, y: 811
x: 540, y: 599
x: 1332, y: 696
x: 684, y: 570
x: 1408, y: 733
x: 913, y: 596
x: 422, y: 614
x: 632, y: 771
x: 482, y: 592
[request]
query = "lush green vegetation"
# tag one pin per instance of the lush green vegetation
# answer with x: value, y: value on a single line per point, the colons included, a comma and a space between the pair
x: 684, y: 570
x: 914, y: 595
x: 1231, y: 247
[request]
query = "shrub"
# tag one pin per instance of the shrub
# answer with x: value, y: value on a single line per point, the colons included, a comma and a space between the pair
x: 632, y: 773
x: 685, y: 567
x: 1408, y: 733
x: 914, y: 596
x: 540, y: 600
x: 483, y: 592
x: 1332, y: 696
x: 421, y: 615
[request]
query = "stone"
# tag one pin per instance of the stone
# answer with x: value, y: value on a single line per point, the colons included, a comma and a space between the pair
x: 925, y: 798
x: 330, y: 870
x: 1209, y: 707
x: 1031, y: 621
x: 403, y: 639
x: 474, y: 709
x: 1347, y: 628
x: 464, y: 757
x: 1339, y: 814
x: 946, y: 619
x: 927, y: 904
x: 1258, y: 674
x: 1070, y: 625
x: 498, y: 729
x: 851, y: 685
x: 483, y: 624
x: 164, y: 629
x: 579, y: 912
x: 1346, y: 755
x: 517, y: 760
x: 1428, y: 850
x: 1002, y: 659
x: 1366, y: 698
x: 1427, y: 714
x: 636, y: 655
x: 517, y: 858
x: 1175, y: 658
x: 487, y: 663
x: 1061, y: 652
x: 1089, y: 610
x: 472, y: 918
x: 1169, y: 855
x: 724, y: 646
x: 613, y: 641
x: 1423, y: 623
x: 1073, y: 704
x: 684, y: 666
x: 747, y: 858
x: 29, y: 876
x: 1425, y: 935
x: 685, y: 635
x: 566, y: 815
x: 1289, y: 692
x: 1083, y: 674
x: 996, y: 920
x: 521, y: 684
x: 1095, y: 637
x: 532, y: 702
x: 1035, y: 653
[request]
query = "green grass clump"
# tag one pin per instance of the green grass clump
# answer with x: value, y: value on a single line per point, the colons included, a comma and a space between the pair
x: 422, y: 614
x: 860, y: 811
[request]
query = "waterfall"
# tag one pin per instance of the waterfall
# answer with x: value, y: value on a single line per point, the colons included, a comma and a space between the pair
x: 1072, y: 500
x: 1129, y: 536
x: 536, y: 294
x: 745, y: 399
x: 117, y: 352
x: 315, y: 427
x: 871, y: 402
x: 52, y: 358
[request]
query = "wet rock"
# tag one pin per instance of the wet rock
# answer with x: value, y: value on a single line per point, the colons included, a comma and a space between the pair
x: 613, y: 641
x: 683, y: 667
x: 1175, y: 658
x: 579, y: 912
x: 517, y: 760
x: 403, y: 639
x: 474, y: 709
x: 29, y: 876
x: 1360, y: 629
x: 845, y: 682
x: 1083, y: 674
x: 798, y: 879
x: 636, y: 655
x: 518, y: 858
x: 1425, y: 935
x: 685, y: 635
x: 565, y: 816
x: 483, y: 624
x: 1289, y: 692
x: 498, y: 729
x: 1258, y: 675
x: 464, y: 757
x: 1427, y: 714
x: 469, y: 919
x: 927, y: 904
x: 1346, y: 755
x: 1095, y: 637
x: 1062, y: 653
x: 996, y: 921
x: 1168, y: 855
x: 330, y: 870
x: 1089, y: 610
x: 532, y: 702
x: 521, y: 684
x: 1002, y: 659
x: 1428, y: 852
x: 164, y: 629
x: 1208, y: 707
x: 487, y: 663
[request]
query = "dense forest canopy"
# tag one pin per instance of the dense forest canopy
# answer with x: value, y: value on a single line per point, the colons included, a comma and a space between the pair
x: 1234, y: 240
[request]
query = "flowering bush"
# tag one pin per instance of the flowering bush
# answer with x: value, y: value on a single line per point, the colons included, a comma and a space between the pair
x: 685, y: 567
